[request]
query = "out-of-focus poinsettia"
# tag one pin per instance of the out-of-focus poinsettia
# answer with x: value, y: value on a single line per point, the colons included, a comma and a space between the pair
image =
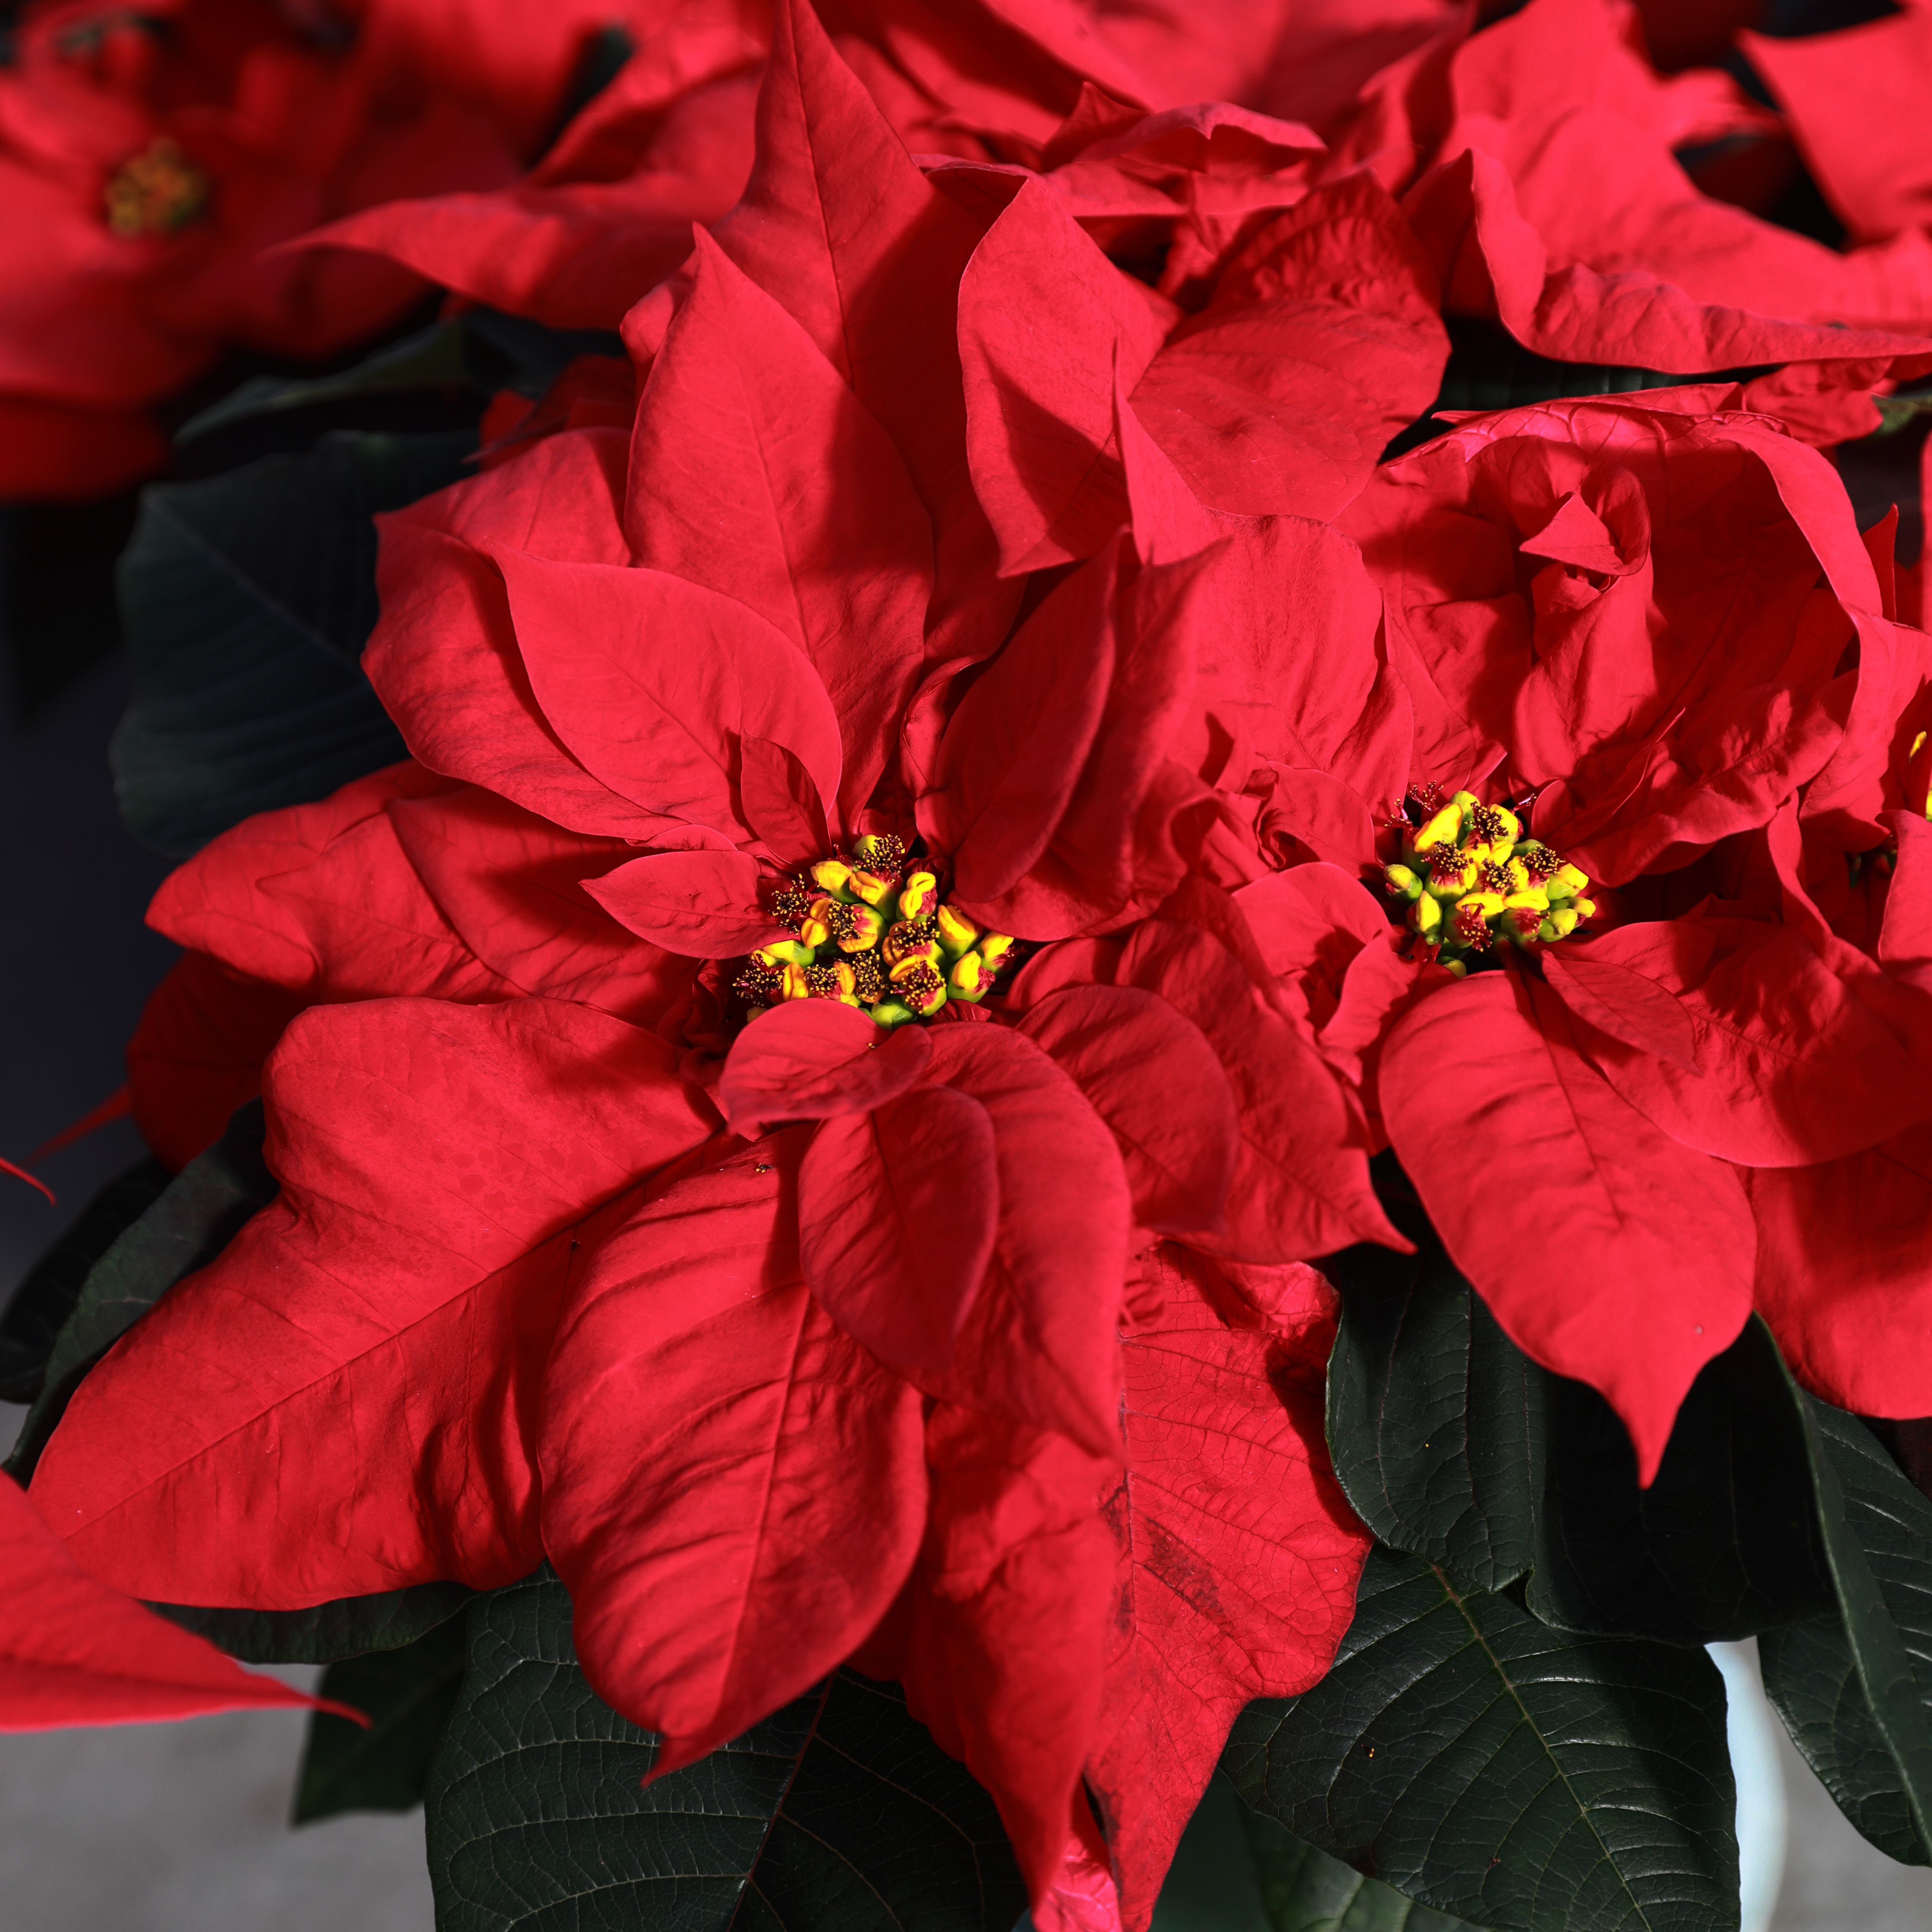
x: 151, y: 159
x: 732, y: 1220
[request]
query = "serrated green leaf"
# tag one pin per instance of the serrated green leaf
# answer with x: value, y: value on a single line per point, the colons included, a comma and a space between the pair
x: 838, y: 1814
x: 247, y: 599
x: 1517, y: 1776
x: 1453, y: 1446
x: 1304, y: 1890
x: 47, y: 1293
x: 348, y: 1627
x: 1855, y: 1689
x: 195, y: 1217
x: 407, y: 1695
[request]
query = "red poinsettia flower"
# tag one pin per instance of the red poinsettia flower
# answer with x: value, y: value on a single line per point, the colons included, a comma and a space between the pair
x: 1655, y: 632
x: 679, y: 1181
x: 148, y: 159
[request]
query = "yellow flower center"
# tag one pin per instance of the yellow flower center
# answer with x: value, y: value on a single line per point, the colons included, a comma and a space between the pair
x: 873, y: 932
x: 158, y: 191
x: 1470, y: 878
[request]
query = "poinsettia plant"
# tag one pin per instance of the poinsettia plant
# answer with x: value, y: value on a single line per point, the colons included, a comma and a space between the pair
x: 976, y: 1039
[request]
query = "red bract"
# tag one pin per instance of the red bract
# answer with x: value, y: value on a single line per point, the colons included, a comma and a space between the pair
x: 147, y: 162
x: 72, y: 1651
x: 790, y: 1330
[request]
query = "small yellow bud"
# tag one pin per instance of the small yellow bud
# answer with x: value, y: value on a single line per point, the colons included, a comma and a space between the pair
x: 994, y: 947
x: 956, y: 933
x: 1559, y: 924
x: 968, y: 980
x: 872, y: 888
x: 1585, y: 908
x: 1401, y: 882
x: 1425, y: 915
x: 1445, y: 829
x: 1458, y: 967
x: 783, y: 953
x: 796, y: 986
x: 830, y: 875
x: 916, y: 896
x: 892, y: 1013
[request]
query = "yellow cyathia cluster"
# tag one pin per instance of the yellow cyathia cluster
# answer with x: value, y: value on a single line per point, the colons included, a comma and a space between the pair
x: 1470, y: 878
x: 873, y: 935
x: 158, y: 191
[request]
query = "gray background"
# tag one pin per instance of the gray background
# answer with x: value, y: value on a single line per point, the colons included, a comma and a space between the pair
x: 182, y: 1828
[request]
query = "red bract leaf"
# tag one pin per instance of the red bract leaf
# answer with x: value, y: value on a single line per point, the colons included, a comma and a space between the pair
x: 443, y: 656
x: 897, y: 1211
x: 394, y: 1307
x: 321, y: 899
x: 197, y: 1053
x: 73, y: 1651
x: 1300, y: 1184
x: 1531, y: 1166
x: 838, y: 224
x: 1040, y: 402
x: 1627, y: 1005
x: 511, y: 884
x: 755, y: 471
x: 733, y: 1489
x: 1841, y: 1273
x: 1007, y: 1622
x: 1285, y: 621
x: 1321, y: 341
x: 1013, y: 751
x: 1791, y: 1066
x: 704, y: 904
x: 1039, y: 1343
x: 813, y: 1060
x: 1905, y: 936
x: 780, y: 803
x: 1236, y: 1555
x: 653, y: 681
x: 1151, y: 1075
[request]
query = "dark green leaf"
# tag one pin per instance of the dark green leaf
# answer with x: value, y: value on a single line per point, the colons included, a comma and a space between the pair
x: 45, y: 1297
x: 836, y: 1814
x: 1453, y: 1446
x: 429, y: 358
x: 1304, y: 1890
x: 1855, y: 1689
x: 1513, y: 1775
x: 1436, y: 1420
x: 247, y: 599
x: 407, y: 1695
x: 195, y: 1216
x: 349, y: 1627
x: 1212, y: 1886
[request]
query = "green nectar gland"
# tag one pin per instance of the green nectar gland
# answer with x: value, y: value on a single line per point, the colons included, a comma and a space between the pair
x: 1471, y: 881
x: 873, y: 932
